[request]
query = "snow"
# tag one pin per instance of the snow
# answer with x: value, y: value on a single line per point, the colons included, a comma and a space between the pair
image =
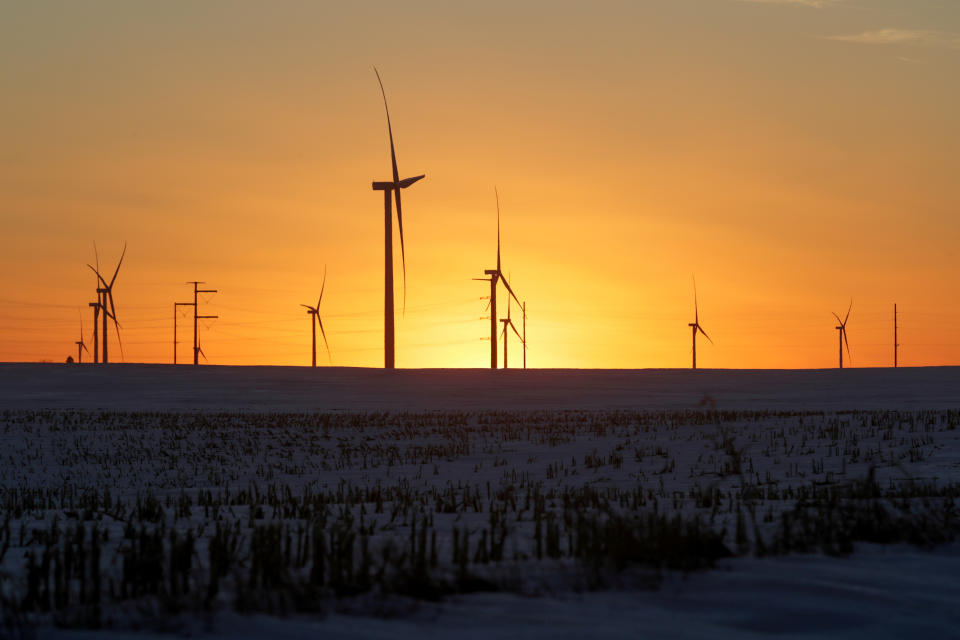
x: 166, y: 387
x: 878, y: 593
x: 476, y: 428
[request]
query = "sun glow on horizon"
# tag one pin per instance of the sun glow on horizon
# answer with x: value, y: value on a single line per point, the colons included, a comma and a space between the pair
x: 787, y: 163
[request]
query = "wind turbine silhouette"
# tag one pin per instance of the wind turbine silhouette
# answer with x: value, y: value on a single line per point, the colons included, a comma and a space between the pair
x: 695, y: 325
x: 524, y: 339
x: 105, y: 293
x: 842, y: 333
x: 507, y: 322
x: 96, y: 310
x: 81, y: 347
x: 495, y: 276
x: 315, y: 313
x: 391, y: 187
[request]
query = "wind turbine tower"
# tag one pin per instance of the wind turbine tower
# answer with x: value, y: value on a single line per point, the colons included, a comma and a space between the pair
x: 524, y: 335
x: 695, y: 325
x: 96, y: 318
x: 391, y: 187
x: 507, y: 322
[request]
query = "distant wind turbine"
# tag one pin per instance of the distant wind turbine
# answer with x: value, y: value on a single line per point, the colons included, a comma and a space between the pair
x: 314, y: 312
x: 496, y: 275
x: 391, y: 187
x: 105, y: 294
x: 524, y: 307
x: 507, y: 322
x: 842, y: 334
x: 81, y: 347
x: 695, y: 325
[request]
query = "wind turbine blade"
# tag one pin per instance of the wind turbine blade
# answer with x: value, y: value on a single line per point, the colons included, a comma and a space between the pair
x: 393, y: 153
x: 497, y: 196
x: 848, y: 313
x: 84, y: 347
x: 700, y: 329
x: 696, y: 312
x: 324, y: 334
x: 507, y: 285
x: 100, y: 277
x: 396, y: 182
x: 200, y: 349
x: 96, y: 255
x: 515, y: 331
x: 847, y: 344
x: 406, y: 182
x: 837, y: 317
x: 113, y: 314
x: 309, y: 307
x: 113, y: 279
x: 322, y: 286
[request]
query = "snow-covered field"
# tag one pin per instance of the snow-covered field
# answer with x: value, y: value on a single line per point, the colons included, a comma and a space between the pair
x: 162, y: 387
x: 479, y: 503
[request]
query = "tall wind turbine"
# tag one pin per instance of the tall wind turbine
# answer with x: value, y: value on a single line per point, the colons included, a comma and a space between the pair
x: 496, y: 275
x: 391, y: 187
x: 695, y: 325
x: 81, y: 346
x: 507, y: 322
x: 314, y: 312
x: 105, y: 292
x: 842, y: 333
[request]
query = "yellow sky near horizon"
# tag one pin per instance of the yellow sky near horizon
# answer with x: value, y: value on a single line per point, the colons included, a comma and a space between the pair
x: 792, y: 156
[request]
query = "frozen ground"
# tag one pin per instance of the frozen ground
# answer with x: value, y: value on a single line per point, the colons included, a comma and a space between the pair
x: 878, y: 593
x: 492, y: 454
x: 165, y: 387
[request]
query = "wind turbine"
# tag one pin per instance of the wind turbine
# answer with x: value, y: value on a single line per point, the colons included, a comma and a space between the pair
x: 695, y: 325
x: 105, y: 293
x: 524, y: 339
x: 496, y: 275
x: 842, y: 333
x: 391, y: 187
x: 315, y: 313
x: 96, y: 320
x: 507, y: 322
x: 81, y: 347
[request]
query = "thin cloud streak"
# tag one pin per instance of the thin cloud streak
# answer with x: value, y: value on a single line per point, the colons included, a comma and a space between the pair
x: 913, y: 37
x: 816, y: 4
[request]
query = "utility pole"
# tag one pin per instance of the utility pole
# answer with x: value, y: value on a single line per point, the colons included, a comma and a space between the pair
x: 96, y: 318
x: 196, y: 317
x: 175, y: 305
x: 896, y: 345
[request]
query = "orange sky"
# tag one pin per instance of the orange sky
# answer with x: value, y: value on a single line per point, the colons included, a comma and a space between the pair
x: 792, y: 154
